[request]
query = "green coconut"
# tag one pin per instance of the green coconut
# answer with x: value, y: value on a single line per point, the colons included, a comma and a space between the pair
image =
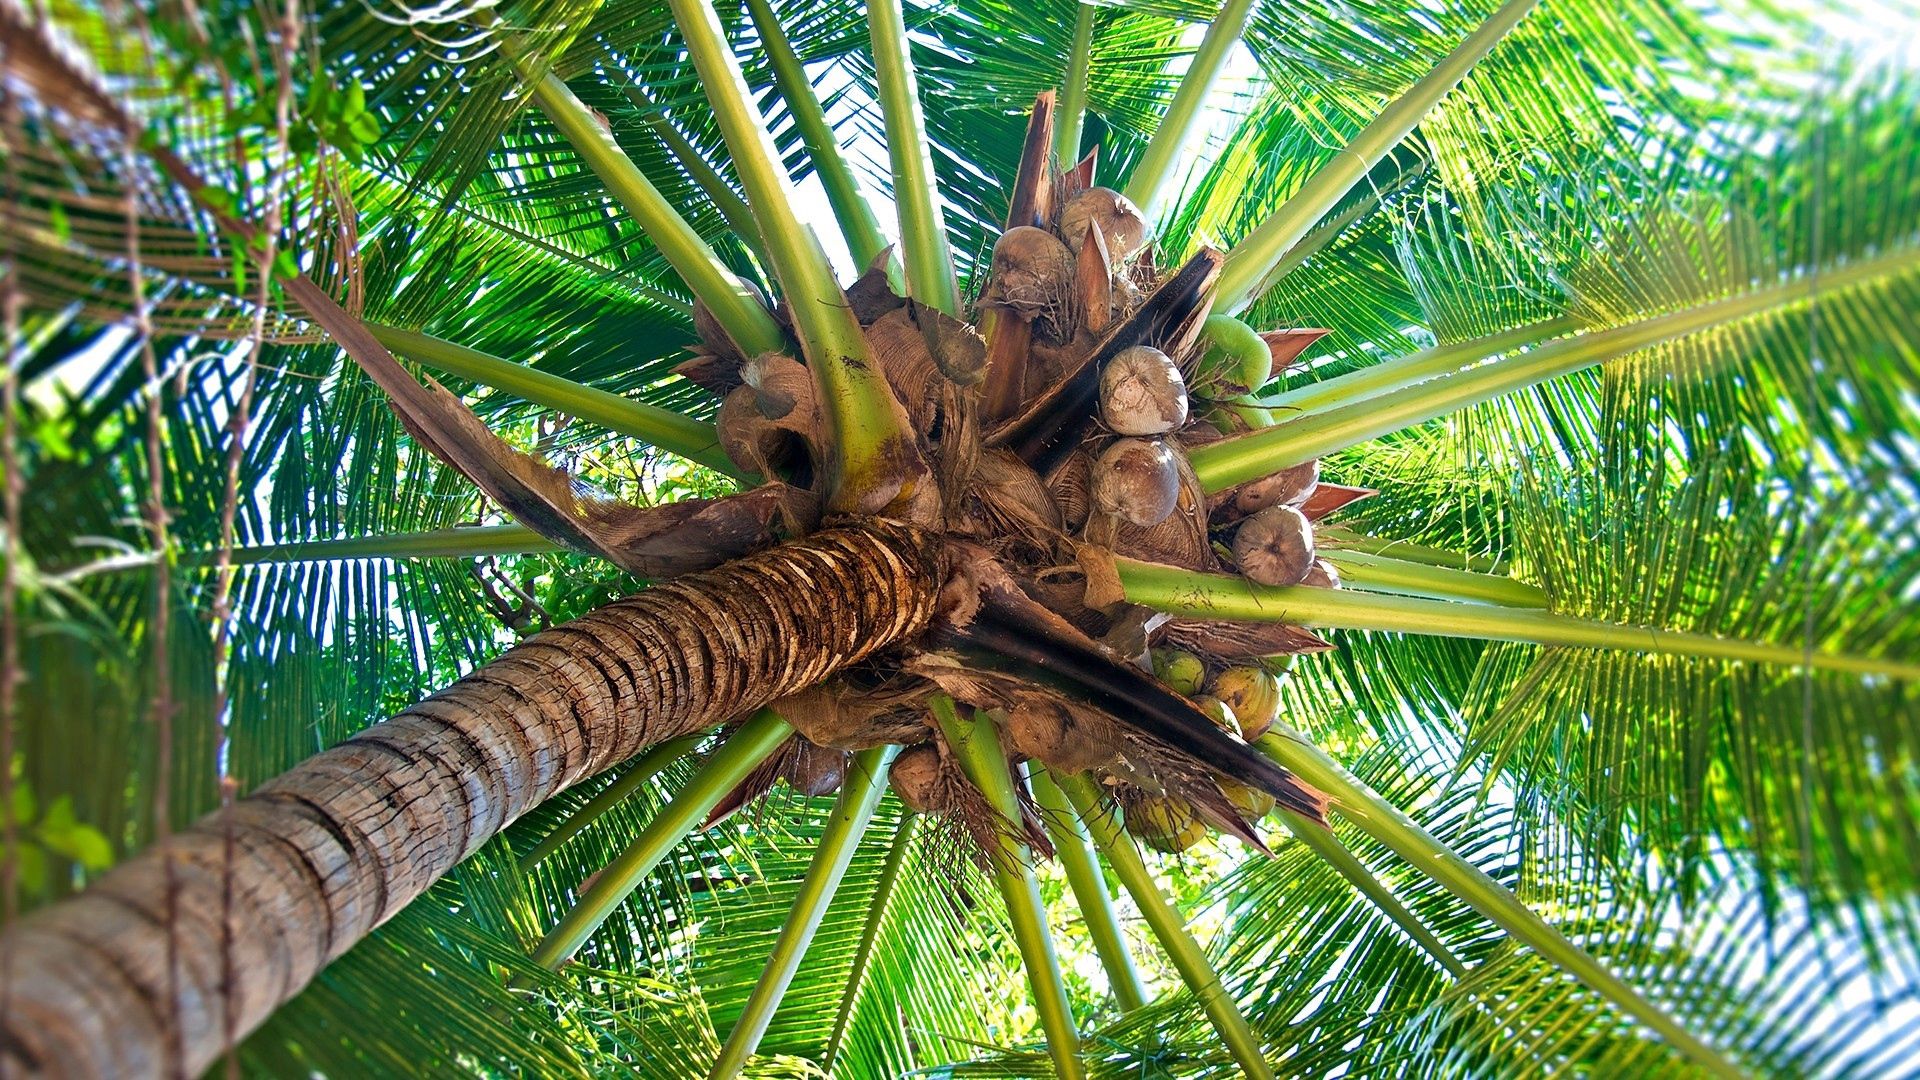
x: 1180, y: 670
x: 1233, y: 358
x: 1165, y: 823
x: 1252, y: 693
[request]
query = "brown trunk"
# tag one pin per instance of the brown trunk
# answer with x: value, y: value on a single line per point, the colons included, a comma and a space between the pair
x: 329, y: 850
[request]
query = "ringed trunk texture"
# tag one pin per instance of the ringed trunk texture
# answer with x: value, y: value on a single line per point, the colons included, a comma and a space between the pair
x: 332, y: 848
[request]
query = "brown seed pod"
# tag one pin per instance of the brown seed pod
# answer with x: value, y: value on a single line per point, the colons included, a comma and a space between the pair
x: 1274, y: 546
x: 1322, y: 575
x: 919, y: 777
x: 1049, y: 731
x: 1032, y: 270
x: 1137, y: 480
x: 1142, y: 393
x: 1180, y: 539
x: 813, y: 770
x: 1122, y: 225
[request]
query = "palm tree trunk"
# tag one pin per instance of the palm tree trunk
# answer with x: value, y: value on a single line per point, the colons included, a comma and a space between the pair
x: 322, y: 854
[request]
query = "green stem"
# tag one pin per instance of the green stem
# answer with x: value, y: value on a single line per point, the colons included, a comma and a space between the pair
x: 692, y: 439
x: 1089, y: 887
x: 734, y: 306
x: 1328, y: 847
x: 866, y: 781
x: 865, y: 424
x: 1385, y: 823
x: 743, y: 751
x: 870, y: 934
x: 461, y: 542
x: 1071, y: 109
x: 1385, y: 574
x: 923, y: 231
x: 1215, y: 596
x: 704, y: 176
x: 1252, y: 259
x: 1228, y: 462
x: 1326, y: 232
x: 858, y: 223
x: 1168, y: 925
x: 1341, y: 538
x: 1404, y: 371
x: 648, y: 766
x: 1147, y: 186
x: 977, y: 744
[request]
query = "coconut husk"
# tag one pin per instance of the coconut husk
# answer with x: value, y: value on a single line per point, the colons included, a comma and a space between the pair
x: 1068, y: 738
x: 710, y: 371
x: 1327, y: 498
x: 1011, y: 502
x: 871, y: 295
x: 900, y: 349
x: 1274, y: 546
x: 1071, y: 485
x: 1093, y: 283
x: 1288, y: 487
x: 1287, y: 345
x: 1233, y: 642
x: 1179, y: 539
x: 844, y: 717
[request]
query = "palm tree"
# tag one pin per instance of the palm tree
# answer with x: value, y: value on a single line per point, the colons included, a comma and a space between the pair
x: 1005, y: 557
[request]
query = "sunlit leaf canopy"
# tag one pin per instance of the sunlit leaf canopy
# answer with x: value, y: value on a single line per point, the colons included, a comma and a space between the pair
x: 1737, y: 840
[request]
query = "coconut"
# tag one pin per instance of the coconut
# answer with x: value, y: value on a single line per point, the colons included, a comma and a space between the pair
x: 1138, y: 480
x: 1182, y: 671
x: 1045, y: 729
x: 1274, y: 546
x: 1032, y: 270
x: 918, y: 778
x: 1322, y: 575
x: 1142, y: 393
x: 1252, y: 693
x: 1219, y: 712
x: 1250, y: 802
x: 1122, y: 225
x: 814, y: 770
x: 1164, y: 823
x: 1288, y: 487
x: 1233, y: 358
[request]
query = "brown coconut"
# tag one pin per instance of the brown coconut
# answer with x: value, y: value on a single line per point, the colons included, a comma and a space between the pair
x: 1142, y: 392
x: 1031, y: 272
x: 1137, y: 480
x: 1274, y: 546
x: 1121, y: 224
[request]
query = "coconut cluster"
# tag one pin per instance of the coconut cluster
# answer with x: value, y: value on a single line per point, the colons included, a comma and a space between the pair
x: 1078, y: 300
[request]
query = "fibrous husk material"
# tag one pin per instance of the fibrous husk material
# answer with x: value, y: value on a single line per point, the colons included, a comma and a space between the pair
x: 1230, y: 641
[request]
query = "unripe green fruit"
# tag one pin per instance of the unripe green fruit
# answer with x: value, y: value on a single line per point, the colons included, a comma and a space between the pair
x: 1180, y: 670
x: 1238, y: 415
x: 1251, y: 803
x: 1233, y: 358
x: 1219, y: 712
x: 1252, y: 694
x: 1164, y: 823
